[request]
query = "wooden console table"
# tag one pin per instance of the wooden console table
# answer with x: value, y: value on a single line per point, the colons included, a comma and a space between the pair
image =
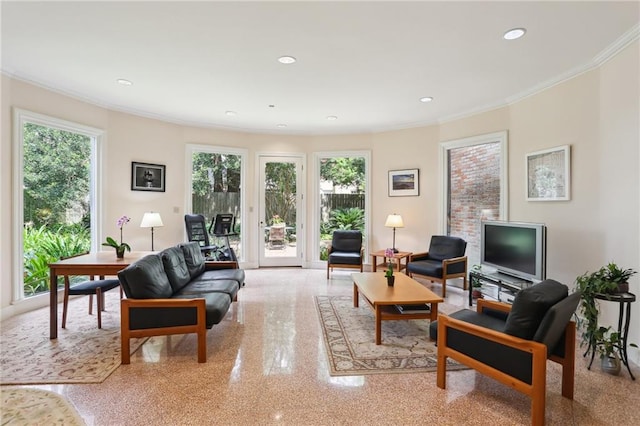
x: 396, y: 259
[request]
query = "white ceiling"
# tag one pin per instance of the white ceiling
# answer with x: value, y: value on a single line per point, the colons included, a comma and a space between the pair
x: 367, y: 63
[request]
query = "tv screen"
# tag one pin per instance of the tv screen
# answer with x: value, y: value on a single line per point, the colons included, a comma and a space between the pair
x: 515, y: 248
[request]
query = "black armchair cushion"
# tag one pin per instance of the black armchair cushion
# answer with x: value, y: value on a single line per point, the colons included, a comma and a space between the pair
x: 193, y: 258
x: 175, y: 267
x: 551, y: 329
x: 494, y: 322
x: 530, y: 306
x: 346, y: 248
x: 445, y: 247
x: 89, y: 287
x: 431, y: 268
x: 146, y: 279
x: 200, y: 286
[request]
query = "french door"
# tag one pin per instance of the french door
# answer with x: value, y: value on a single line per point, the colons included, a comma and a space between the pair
x: 281, y: 213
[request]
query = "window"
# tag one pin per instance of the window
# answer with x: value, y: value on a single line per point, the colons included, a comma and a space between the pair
x: 216, y: 175
x: 475, y: 186
x: 341, y: 201
x: 55, y: 196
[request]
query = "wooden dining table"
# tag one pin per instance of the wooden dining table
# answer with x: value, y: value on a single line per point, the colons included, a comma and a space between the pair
x: 102, y: 263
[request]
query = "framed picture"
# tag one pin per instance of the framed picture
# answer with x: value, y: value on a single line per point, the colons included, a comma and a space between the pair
x: 147, y: 177
x: 404, y: 183
x: 549, y: 174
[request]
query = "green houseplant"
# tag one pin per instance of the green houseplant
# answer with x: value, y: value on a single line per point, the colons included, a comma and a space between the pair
x: 605, y: 280
x: 122, y: 246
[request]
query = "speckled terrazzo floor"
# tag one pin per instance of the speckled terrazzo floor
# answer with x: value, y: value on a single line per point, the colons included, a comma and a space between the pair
x: 267, y: 365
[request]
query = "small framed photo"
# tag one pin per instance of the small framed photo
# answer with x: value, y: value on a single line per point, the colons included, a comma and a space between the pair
x: 147, y: 177
x: 404, y: 183
x: 549, y: 174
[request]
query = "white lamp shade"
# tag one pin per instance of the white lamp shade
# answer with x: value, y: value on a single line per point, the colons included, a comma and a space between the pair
x: 394, y: 221
x: 151, y: 220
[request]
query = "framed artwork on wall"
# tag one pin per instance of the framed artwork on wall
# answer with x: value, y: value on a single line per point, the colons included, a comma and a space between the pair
x: 549, y: 174
x: 404, y: 183
x: 147, y: 177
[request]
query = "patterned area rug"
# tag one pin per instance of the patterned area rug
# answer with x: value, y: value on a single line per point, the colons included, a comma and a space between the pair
x: 21, y: 406
x: 83, y: 353
x: 349, y: 337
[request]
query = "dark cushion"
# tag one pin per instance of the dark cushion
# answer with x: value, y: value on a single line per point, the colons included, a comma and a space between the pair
x: 175, y: 267
x: 430, y: 268
x: 193, y: 258
x: 89, y: 287
x: 199, y: 286
x: 224, y: 274
x: 473, y: 317
x: 551, y: 329
x: 346, y: 241
x: 445, y: 247
x: 216, y: 304
x: 530, y: 306
x: 146, y: 279
x: 345, y: 258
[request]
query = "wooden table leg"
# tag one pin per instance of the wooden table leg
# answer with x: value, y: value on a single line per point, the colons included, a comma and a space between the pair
x: 434, y: 312
x: 53, y: 305
x: 374, y: 268
x: 355, y: 296
x: 378, y: 324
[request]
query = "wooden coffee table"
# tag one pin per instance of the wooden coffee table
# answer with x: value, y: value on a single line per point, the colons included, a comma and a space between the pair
x: 383, y: 298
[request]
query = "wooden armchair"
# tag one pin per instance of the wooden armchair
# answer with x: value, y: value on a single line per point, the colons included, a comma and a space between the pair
x: 511, y: 343
x: 444, y: 260
x: 345, y: 251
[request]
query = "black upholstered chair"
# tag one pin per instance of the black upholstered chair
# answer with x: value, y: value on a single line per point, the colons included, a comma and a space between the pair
x: 444, y: 260
x: 511, y: 343
x: 91, y: 287
x: 345, y: 251
x: 197, y: 231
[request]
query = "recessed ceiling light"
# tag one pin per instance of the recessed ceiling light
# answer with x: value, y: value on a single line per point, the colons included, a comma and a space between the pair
x: 426, y: 99
x: 514, y: 33
x: 281, y: 126
x: 124, y: 82
x: 230, y: 113
x: 286, y: 60
x: 331, y: 117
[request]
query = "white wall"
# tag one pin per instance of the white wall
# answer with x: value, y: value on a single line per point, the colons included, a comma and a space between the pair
x: 596, y: 113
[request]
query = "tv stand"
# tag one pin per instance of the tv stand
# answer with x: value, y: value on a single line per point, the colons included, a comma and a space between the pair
x: 495, y: 285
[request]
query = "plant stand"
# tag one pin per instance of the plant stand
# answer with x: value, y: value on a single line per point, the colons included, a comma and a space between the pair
x: 624, y: 316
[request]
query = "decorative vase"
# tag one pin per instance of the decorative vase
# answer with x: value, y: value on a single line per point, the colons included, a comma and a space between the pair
x: 120, y: 252
x: 391, y: 280
x: 611, y: 365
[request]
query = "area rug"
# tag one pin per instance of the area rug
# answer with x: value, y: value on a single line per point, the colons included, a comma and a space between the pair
x: 22, y: 406
x: 82, y: 353
x: 349, y: 337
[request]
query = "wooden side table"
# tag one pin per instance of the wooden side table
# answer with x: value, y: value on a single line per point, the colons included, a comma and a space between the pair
x: 396, y: 259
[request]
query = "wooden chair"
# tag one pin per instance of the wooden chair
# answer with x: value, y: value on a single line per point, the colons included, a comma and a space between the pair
x: 91, y: 287
x: 445, y: 260
x: 345, y: 251
x: 511, y: 343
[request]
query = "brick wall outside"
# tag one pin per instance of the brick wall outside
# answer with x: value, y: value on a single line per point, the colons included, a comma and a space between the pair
x: 474, y: 192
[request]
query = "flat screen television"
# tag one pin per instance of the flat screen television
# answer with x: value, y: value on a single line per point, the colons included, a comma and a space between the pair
x: 516, y: 249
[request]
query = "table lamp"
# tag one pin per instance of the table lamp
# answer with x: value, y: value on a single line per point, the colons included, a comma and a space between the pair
x: 151, y: 220
x: 394, y: 221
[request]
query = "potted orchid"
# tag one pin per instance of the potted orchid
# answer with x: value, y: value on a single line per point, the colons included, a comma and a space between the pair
x: 122, y: 246
x: 388, y: 254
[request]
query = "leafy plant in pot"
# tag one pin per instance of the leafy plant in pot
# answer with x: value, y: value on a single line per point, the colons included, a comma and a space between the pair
x: 476, y: 285
x: 608, y: 346
x: 603, y: 281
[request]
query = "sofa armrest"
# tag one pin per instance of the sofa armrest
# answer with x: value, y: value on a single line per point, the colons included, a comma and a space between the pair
x: 419, y: 256
x: 493, y: 305
x: 453, y: 261
x: 192, y: 314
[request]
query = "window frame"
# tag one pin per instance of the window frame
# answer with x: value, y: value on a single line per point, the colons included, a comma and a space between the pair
x: 97, y: 137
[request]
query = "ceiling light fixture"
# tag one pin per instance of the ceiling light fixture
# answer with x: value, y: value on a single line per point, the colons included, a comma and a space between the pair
x: 124, y: 82
x: 286, y: 60
x: 426, y: 99
x: 332, y: 117
x: 514, y: 33
x: 230, y: 113
x: 281, y: 126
